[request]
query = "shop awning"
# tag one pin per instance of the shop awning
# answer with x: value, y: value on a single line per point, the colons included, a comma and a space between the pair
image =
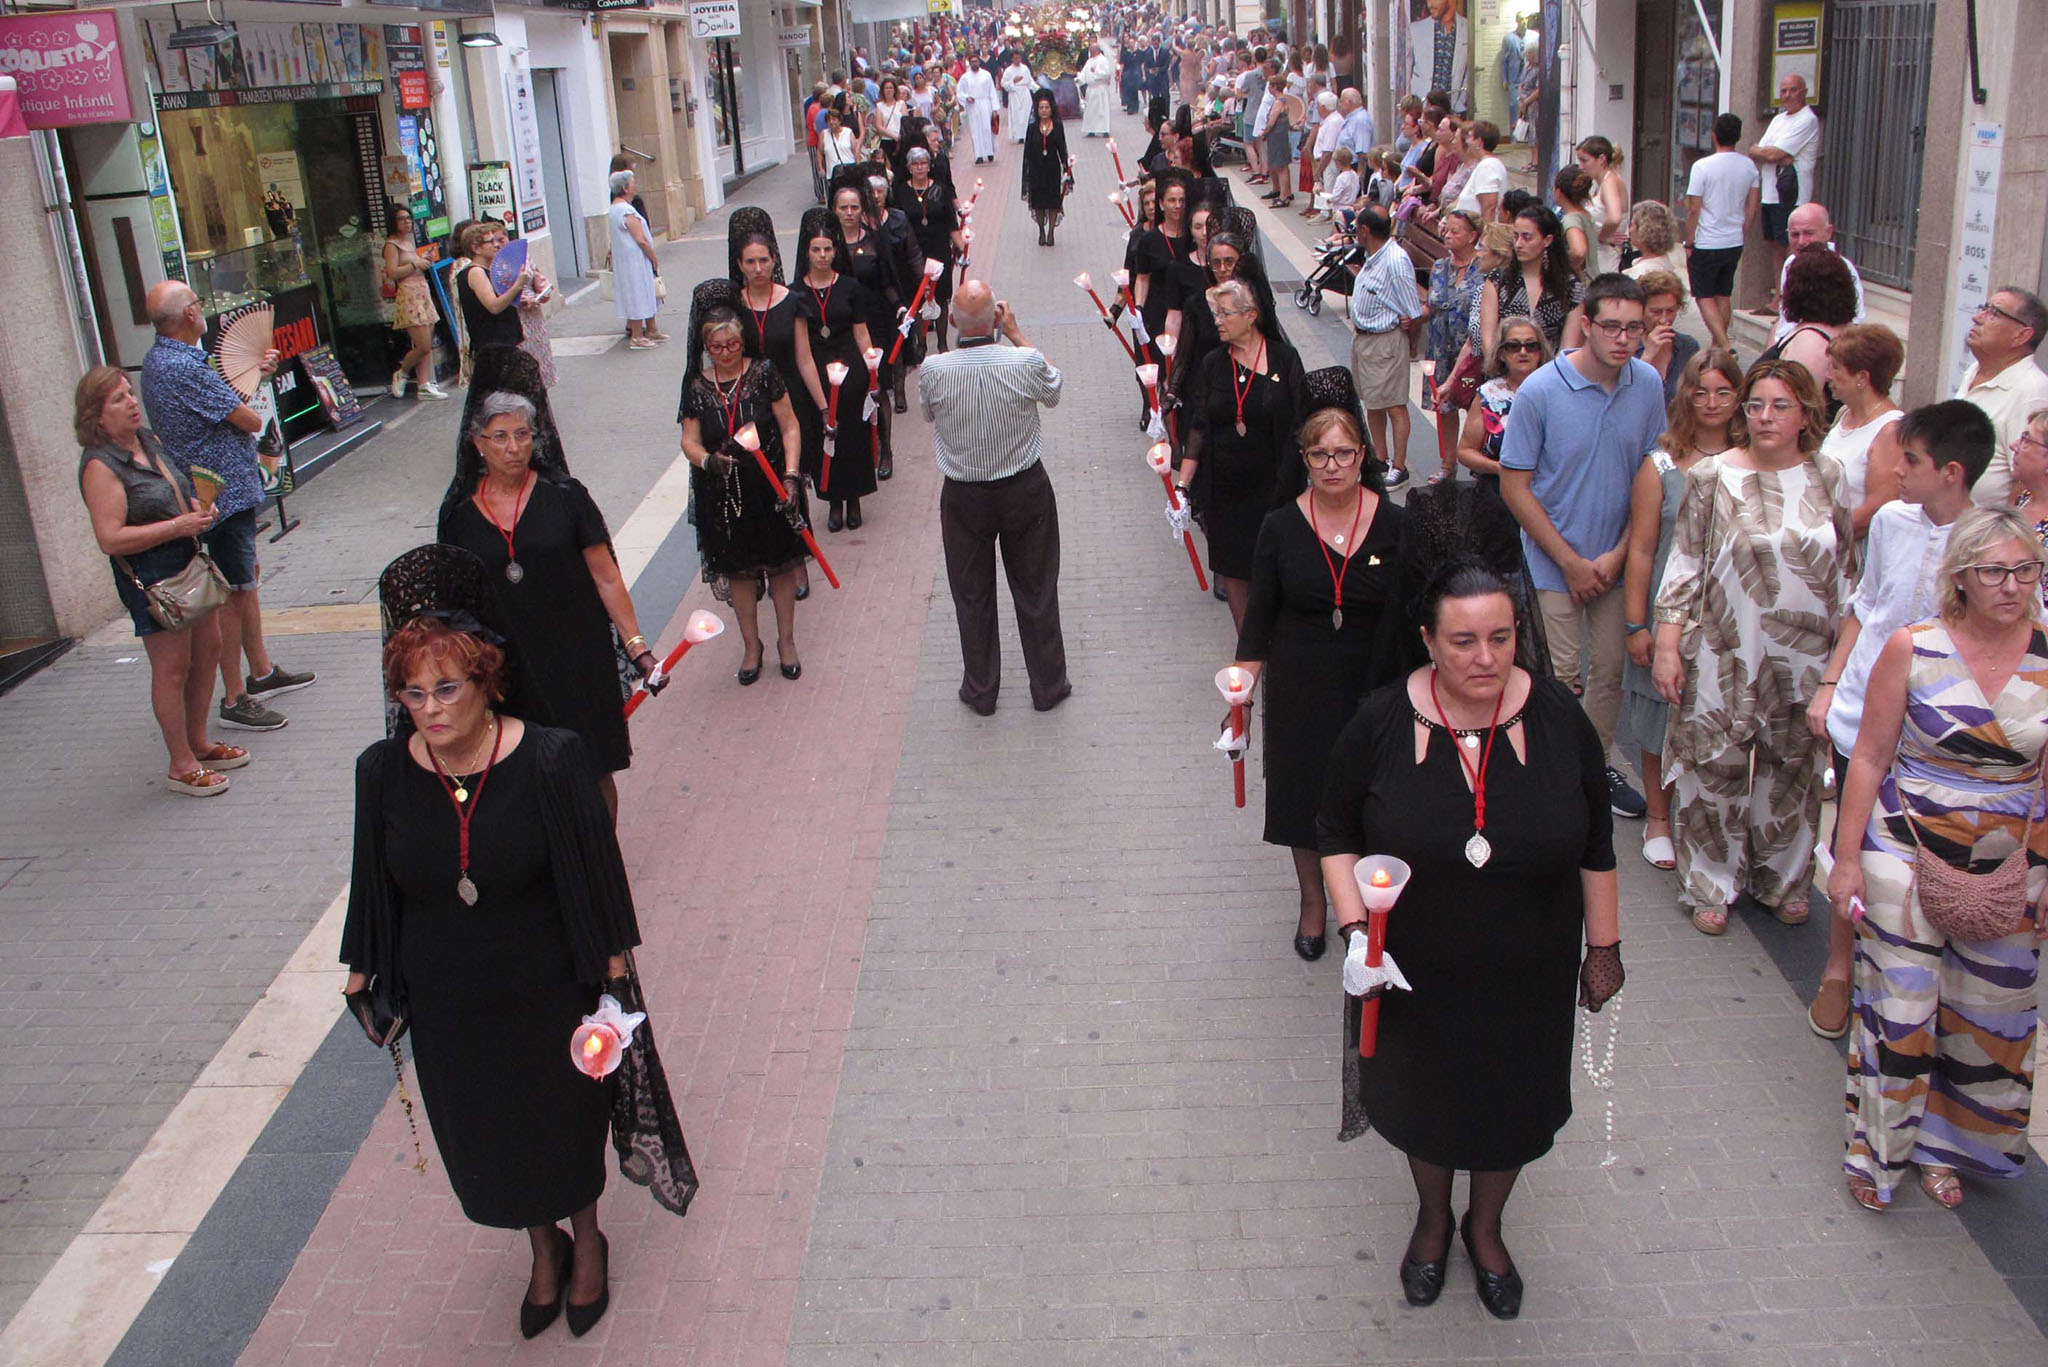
x: 883, y: 11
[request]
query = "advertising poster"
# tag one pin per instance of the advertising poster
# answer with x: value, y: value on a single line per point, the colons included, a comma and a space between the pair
x: 527, y: 182
x: 490, y: 194
x: 1433, y: 50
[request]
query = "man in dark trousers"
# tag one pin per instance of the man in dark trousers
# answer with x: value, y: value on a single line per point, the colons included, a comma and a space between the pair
x: 982, y: 399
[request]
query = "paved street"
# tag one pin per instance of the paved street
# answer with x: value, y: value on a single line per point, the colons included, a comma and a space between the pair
x: 986, y: 1033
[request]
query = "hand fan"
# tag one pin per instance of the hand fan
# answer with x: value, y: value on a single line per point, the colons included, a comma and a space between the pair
x: 244, y: 337
x: 507, y: 264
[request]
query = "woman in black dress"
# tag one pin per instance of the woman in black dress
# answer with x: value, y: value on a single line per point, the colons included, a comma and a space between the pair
x: 885, y: 290
x: 935, y: 221
x: 1323, y: 625
x: 1241, y: 441
x: 746, y: 537
x: 834, y: 316
x: 1047, y: 168
x: 488, y: 908
x: 1492, y: 785
x: 489, y: 319
x: 559, y: 592
x: 1157, y: 246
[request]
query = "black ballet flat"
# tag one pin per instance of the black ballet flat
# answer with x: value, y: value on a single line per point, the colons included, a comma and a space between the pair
x: 835, y: 520
x: 1311, y: 947
x: 1423, y: 1282
x: 749, y: 677
x: 584, y: 1318
x: 1499, y: 1292
x: 533, y: 1319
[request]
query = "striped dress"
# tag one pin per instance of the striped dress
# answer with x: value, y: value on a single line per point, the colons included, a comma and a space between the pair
x: 1942, y: 1034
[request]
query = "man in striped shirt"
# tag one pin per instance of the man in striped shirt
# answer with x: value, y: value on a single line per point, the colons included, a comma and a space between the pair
x: 982, y: 400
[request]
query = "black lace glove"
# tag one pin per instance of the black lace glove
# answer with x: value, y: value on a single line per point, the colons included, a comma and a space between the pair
x: 647, y: 662
x: 722, y: 460
x: 1600, y: 975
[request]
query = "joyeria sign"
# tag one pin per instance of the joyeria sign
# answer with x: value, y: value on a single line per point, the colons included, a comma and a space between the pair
x: 67, y: 67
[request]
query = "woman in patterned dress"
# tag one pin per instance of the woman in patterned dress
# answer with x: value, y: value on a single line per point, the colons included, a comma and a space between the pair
x: 1454, y: 280
x: 1759, y: 565
x: 1947, y: 766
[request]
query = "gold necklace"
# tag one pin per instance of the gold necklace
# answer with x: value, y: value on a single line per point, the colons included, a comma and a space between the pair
x: 460, y: 772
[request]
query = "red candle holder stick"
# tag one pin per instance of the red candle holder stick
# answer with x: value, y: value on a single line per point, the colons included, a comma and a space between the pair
x: 1087, y: 284
x: 1160, y: 458
x: 751, y: 440
x: 1380, y: 880
x: 700, y: 627
x: 1235, y: 684
x: 933, y: 269
x: 836, y: 373
x: 873, y: 356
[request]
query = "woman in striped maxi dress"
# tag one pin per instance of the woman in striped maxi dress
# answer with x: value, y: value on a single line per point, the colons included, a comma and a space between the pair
x: 1947, y: 766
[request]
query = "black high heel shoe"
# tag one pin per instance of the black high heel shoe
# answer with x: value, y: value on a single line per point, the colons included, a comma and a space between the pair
x: 853, y: 515
x: 749, y: 677
x: 584, y: 1318
x: 533, y: 1319
x: 835, y: 518
x: 1499, y: 1292
x: 792, y: 672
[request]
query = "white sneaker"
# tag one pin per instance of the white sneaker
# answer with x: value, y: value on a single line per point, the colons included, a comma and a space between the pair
x: 431, y: 390
x: 398, y: 384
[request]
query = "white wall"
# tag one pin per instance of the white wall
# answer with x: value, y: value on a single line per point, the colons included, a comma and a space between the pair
x: 564, y: 41
x: 1612, y: 24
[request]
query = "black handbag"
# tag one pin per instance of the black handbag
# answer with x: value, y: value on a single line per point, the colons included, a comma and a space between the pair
x: 1788, y: 185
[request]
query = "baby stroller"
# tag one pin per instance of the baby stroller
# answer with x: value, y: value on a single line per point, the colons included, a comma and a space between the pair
x: 1335, y: 270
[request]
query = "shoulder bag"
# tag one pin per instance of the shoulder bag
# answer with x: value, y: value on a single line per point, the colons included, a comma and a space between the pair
x: 177, y: 601
x: 1972, y: 906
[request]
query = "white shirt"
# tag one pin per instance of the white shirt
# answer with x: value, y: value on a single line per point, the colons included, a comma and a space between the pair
x: 2007, y: 398
x: 1343, y: 189
x: 1901, y: 560
x: 1265, y: 113
x: 1798, y: 136
x: 1327, y: 133
x: 1721, y: 183
x: 1489, y: 177
x: 1785, y: 325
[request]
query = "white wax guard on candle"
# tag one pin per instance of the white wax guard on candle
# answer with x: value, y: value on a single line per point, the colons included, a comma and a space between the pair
x: 1235, y: 684
x: 748, y: 437
x: 1148, y: 375
x: 1380, y: 878
x: 702, y: 626
x: 934, y: 268
x: 1166, y: 345
x: 1122, y: 278
x: 1084, y: 281
x: 836, y: 372
x: 1160, y: 457
x: 873, y: 356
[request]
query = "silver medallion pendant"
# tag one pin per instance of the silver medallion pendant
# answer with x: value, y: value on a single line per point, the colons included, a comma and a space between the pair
x: 824, y: 331
x: 1336, y: 619
x: 1240, y: 429
x: 1477, y: 851
x: 514, y: 572
x: 466, y: 890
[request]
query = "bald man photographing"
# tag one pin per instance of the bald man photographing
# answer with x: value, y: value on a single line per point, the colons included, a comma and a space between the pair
x: 982, y: 399
x: 202, y: 421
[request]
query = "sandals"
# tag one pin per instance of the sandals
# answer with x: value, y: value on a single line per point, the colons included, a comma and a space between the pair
x: 1942, y: 1184
x: 200, y: 782
x: 1659, y: 852
x: 1710, y: 920
x: 1864, y: 1192
x: 221, y: 756
x: 1793, y: 913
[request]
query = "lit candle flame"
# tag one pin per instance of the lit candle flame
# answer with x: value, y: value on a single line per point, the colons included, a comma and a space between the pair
x: 593, y: 1045
x: 1382, y: 879
x: 1116, y: 196
x: 873, y: 356
x: 702, y: 626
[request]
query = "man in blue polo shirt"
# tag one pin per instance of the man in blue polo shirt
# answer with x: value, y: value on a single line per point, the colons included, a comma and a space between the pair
x: 201, y: 420
x: 1580, y: 427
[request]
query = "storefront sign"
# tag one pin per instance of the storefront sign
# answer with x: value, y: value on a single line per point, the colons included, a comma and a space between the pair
x: 337, y: 399
x: 527, y: 183
x: 408, y: 65
x: 1982, y: 171
x: 284, y: 94
x: 714, y: 18
x: 67, y: 67
x: 269, y: 56
x: 793, y: 37
x: 490, y: 194
x: 1795, y: 45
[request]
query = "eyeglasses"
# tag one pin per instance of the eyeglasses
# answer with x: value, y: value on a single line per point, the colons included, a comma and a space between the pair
x: 1992, y: 576
x: 444, y: 693
x: 1713, y: 396
x: 502, y: 438
x: 1323, y: 458
x: 1756, y: 408
x: 2028, y: 439
x: 725, y: 344
x: 1995, y: 311
x: 1526, y: 344
x: 1615, y: 331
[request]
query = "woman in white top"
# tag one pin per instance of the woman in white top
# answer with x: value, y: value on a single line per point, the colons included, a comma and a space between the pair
x: 1489, y: 178
x: 1608, y: 204
x: 922, y: 95
x: 888, y: 115
x: 1863, y: 360
x: 835, y: 144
